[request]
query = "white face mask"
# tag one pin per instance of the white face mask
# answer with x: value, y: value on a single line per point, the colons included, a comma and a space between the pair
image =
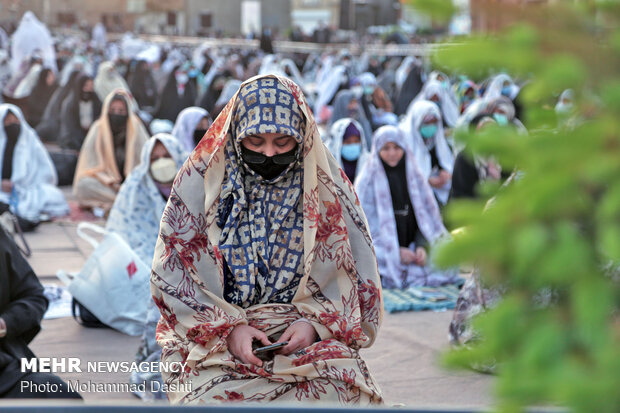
x: 164, y: 170
x: 182, y: 78
x: 358, y: 91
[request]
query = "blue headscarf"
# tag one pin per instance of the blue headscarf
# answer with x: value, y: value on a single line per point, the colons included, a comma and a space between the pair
x: 262, y: 221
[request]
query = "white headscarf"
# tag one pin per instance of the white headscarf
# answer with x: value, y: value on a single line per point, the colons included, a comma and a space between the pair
x: 24, y: 88
x: 32, y: 35
x: 449, y: 109
x: 100, y: 36
x: 230, y: 88
x: 336, y: 136
x: 373, y: 190
x: 403, y: 70
x: 4, y: 40
x: 562, y: 107
x: 34, y: 175
x: 496, y: 85
x: 185, y: 125
x: 77, y: 62
x: 108, y: 80
x: 367, y: 79
x: 328, y: 85
x: 419, y: 110
x: 139, y: 204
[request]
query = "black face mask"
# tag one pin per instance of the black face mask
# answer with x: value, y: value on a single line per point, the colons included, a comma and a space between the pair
x: 12, y: 131
x: 118, y: 123
x: 269, y: 167
x: 86, y: 96
x: 198, y: 134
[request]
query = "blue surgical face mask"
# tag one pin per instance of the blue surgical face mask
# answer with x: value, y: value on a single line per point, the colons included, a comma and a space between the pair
x: 506, y: 90
x: 501, y: 119
x: 351, y: 151
x: 428, y: 131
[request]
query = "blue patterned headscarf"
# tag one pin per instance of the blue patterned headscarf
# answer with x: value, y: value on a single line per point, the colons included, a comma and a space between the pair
x: 262, y: 221
x: 265, y: 106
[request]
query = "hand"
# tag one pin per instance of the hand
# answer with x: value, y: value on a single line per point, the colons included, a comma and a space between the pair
x: 2, y: 328
x: 240, y: 343
x: 494, y: 170
x: 435, y: 182
x: 7, y: 185
x: 445, y: 176
x: 420, y: 259
x: 407, y: 256
x: 299, y: 335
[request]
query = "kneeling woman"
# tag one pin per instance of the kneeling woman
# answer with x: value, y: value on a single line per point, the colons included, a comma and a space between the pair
x: 111, y: 150
x: 27, y: 175
x: 135, y: 216
x: 402, y: 213
x: 262, y: 241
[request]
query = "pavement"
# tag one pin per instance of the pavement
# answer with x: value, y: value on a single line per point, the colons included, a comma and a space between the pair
x: 404, y: 359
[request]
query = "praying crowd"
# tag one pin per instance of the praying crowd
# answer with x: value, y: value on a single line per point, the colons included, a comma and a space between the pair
x: 273, y: 195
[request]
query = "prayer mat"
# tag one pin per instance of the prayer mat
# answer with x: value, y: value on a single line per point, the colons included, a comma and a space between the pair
x: 421, y: 298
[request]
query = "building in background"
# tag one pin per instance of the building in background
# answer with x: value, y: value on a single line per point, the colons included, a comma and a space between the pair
x: 234, y: 17
x: 312, y: 14
x: 361, y: 14
x: 170, y: 17
x: 494, y: 15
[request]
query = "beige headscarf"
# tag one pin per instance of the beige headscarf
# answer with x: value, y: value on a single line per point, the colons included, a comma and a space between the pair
x: 97, y: 159
x: 109, y: 80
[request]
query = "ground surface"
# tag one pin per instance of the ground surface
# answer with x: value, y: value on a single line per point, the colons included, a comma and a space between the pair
x: 404, y: 359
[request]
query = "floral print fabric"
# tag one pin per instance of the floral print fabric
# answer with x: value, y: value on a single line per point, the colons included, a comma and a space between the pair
x: 339, y: 291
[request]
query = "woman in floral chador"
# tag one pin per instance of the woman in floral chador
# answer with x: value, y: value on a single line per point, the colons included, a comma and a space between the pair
x: 263, y: 241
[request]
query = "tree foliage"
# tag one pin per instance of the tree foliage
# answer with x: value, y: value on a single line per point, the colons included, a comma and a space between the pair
x: 552, y: 237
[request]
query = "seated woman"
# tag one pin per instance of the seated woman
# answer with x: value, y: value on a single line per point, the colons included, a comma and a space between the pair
x: 503, y: 112
x: 28, y: 177
x: 108, y: 80
x: 437, y: 93
x: 468, y: 172
x: 178, y: 94
x: 191, y: 125
x: 346, y: 105
x: 347, y: 143
x: 135, y: 216
x: 110, y: 152
x: 78, y: 113
x: 432, y: 152
x: 22, y: 305
x: 466, y: 93
x: 40, y: 96
x: 402, y: 213
x: 263, y: 242
x: 48, y: 127
x: 142, y: 85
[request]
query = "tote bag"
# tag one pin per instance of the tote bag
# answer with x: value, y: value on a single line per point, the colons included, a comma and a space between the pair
x: 114, y: 284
